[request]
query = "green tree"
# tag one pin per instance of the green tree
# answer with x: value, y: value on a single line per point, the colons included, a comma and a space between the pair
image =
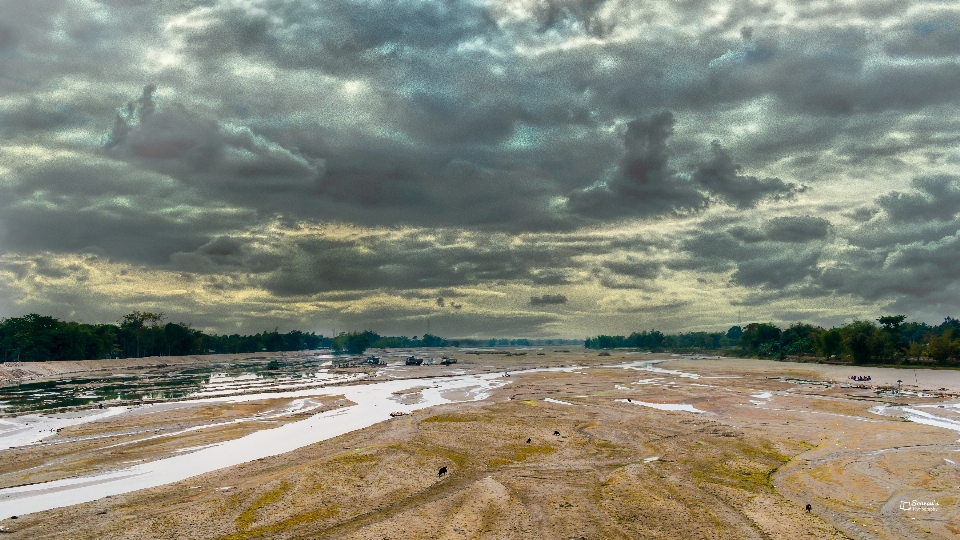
x: 761, y: 339
x: 829, y: 343
x: 891, y: 323
x: 354, y: 342
x: 140, y: 328
x: 859, y: 338
x: 943, y: 347
x: 733, y: 334
x: 799, y: 339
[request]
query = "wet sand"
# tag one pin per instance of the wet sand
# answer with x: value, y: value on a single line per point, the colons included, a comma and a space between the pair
x: 601, y: 461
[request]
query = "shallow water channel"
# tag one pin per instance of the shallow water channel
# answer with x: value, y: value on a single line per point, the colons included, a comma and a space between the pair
x: 374, y: 403
x: 160, y: 383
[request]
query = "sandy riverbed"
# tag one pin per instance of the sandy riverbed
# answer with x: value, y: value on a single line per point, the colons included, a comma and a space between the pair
x: 751, y: 443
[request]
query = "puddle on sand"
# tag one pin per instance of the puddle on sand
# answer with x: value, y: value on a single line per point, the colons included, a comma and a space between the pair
x: 665, y: 406
x: 648, y: 365
x: 918, y: 416
x: 32, y: 428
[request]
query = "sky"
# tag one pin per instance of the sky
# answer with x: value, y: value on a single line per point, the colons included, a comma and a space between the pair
x: 480, y: 168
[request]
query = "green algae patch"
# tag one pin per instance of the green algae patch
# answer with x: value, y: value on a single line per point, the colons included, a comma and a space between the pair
x: 430, y: 451
x: 354, y: 456
x: 292, y: 522
x: 456, y: 418
x: 749, y: 469
x: 249, y: 516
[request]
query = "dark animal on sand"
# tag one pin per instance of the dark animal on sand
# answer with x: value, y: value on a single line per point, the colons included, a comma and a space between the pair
x: 528, y: 441
x: 443, y: 471
x: 809, y: 508
x: 557, y: 433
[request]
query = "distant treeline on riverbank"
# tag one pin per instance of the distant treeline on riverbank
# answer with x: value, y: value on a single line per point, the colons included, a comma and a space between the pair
x: 38, y: 338
x: 888, y: 339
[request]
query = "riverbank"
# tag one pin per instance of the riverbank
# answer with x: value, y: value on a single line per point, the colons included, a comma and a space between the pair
x: 748, y: 444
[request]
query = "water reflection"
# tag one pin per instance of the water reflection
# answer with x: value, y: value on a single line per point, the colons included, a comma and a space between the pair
x: 163, y: 383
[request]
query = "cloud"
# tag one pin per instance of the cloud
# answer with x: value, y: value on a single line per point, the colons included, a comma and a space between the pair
x: 931, y: 36
x: 224, y: 161
x: 782, y: 253
x: 548, y: 299
x: 643, y: 184
x: 797, y: 229
x: 302, y: 260
x: 572, y: 16
x: 934, y: 197
x: 498, y: 146
x: 72, y: 205
x: 721, y: 177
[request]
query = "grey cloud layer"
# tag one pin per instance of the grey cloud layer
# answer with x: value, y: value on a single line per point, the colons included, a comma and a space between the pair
x: 489, y: 119
x: 306, y: 265
x: 904, y: 251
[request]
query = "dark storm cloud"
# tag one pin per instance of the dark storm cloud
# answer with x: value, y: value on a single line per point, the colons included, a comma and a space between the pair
x: 924, y: 214
x: 634, y: 268
x: 342, y: 37
x: 906, y: 253
x: 825, y: 72
x: 548, y: 299
x: 934, y: 198
x: 312, y: 266
x: 443, y: 120
x: 782, y: 253
x: 777, y: 269
x: 69, y: 206
x: 792, y: 229
x: 198, y: 151
x: 488, y: 121
x: 306, y: 265
x: 722, y: 178
x: 48, y: 42
x: 121, y: 233
x: 371, y: 180
x: 34, y: 116
x: 797, y: 229
x: 646, y: 185
x: 915, y: 270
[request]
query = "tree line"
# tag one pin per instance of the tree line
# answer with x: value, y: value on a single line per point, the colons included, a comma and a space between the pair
x: 887, y: 339
x: 38, y: 338
x: 357, y: 342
